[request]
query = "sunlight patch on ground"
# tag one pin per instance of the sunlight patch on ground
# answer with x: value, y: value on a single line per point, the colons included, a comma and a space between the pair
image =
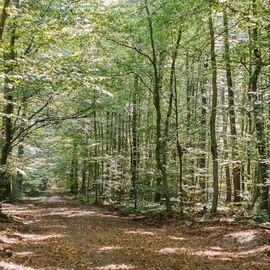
x: 171, y: 250
x: 24, y: 253
x: 212, y: 228
x: 116, y: 267
x: 54, y: 199
x: 19, y: 209
x: 255, y: 250
x: 23, y: 214
x: 7, y: 240
x: 141, y: 233
x: 70, y: 213
x: 80, y: 214
x: 211, y: 253
x: 31, y: 221
x: 108, y: 248
x: 215, y: 252
x: 177, y: 238
x: 13, y: 266
x: 37, y: 237
x: 243, y: 237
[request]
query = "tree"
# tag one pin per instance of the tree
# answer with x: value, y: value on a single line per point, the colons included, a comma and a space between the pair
x: 212, y: 122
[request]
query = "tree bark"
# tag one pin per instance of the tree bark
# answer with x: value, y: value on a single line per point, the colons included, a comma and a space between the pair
x: 160, y: 151
x: 3, y: 18
x: 236, y: 172
x: 202, y: 158
x: 212, y: 123
x: 258, y: 114
x: 8, y: 111
x: 134, y: 146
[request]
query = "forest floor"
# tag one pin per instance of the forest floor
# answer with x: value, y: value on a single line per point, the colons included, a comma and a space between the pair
x: 59, y: 233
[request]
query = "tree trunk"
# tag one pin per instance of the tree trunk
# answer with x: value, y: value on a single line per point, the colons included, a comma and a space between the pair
x: 202, y: 158
x: 212, y: 123
x: 96, y: 164
x: 236, y: 172
x: 74, y: 171
x: 134, y: 146
x: 84, y: 176
x: 258, y: 114
x: 3, y: 18
x: 7, y: 119
x: 226, y: 155
x: 160, y: 150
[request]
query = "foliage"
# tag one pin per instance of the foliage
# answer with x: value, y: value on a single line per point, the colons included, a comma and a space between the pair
x: 114, y: 101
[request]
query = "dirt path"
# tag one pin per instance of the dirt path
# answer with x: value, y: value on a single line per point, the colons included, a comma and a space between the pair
x: 60, y: 234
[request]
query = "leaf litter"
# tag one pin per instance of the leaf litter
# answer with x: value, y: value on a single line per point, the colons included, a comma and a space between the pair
x: 61, y: 234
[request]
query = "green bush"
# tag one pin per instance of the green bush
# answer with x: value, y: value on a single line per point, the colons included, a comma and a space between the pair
x: 259, y: 216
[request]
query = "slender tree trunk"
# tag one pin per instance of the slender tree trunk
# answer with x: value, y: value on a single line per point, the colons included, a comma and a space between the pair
x: 134, y: 146
x: 236, y: 173
x: 74, y: 171
x: 212, y: 123
x: 160, y: 151
x: 226, y: 154
x: 84, y: 175
x: 8, y: 111
x: 202, y: 158
x: 178, y: 145
x: 4, y: 16
x: 96, y: 164
x: 168, y: 116
x: 258, y: 114
x: 249, y: 126
x: 19, y: 181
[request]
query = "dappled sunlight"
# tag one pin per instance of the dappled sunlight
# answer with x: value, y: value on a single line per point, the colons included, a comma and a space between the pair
x: 27, y: 217
x: 139, y: 232
x: 74, y: 212
x: 37, y: 237
x: 73, y: 236
x: 177, y: 238
x: 212, y: 253
x: 25, y: 214
x: 171, y: 250
x: 212, y: 228
x: 56, y: 211
x: 243, y: 236
x: 7, y: 240
x: 255, y: 251
x: 28, y: 222
x: 116, y: 267
x: 56, y: 199
x: 18, y: 208
x: 109, y: 248
x: 81, y: 214
x: 67, y: 212
x: 215, y: 252
x: 9, y: 237
x: 24, y: 254
x: 13, y: 266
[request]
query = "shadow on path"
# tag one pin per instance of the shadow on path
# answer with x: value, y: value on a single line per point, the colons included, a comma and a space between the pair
x: 61, y: 234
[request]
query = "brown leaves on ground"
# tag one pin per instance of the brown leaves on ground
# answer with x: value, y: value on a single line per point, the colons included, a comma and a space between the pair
x: 63, y: 235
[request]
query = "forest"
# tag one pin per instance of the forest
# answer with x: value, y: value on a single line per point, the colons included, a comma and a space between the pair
x: 134, y: 134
